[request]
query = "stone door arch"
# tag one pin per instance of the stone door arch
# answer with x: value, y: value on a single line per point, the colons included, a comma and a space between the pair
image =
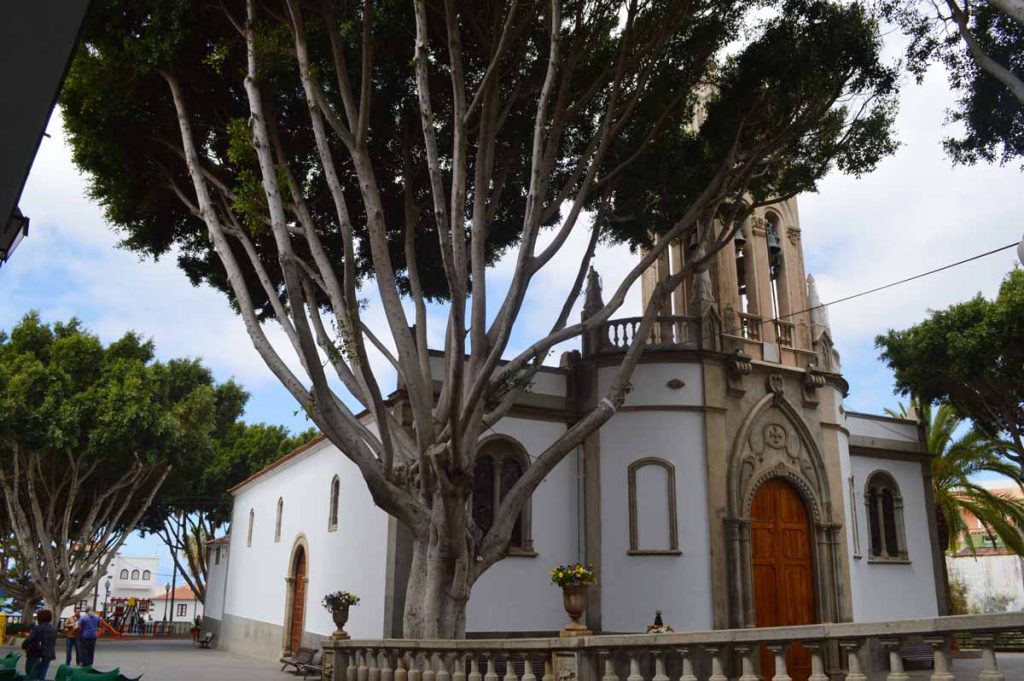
x: 295, y: 601
x: 774, y: 442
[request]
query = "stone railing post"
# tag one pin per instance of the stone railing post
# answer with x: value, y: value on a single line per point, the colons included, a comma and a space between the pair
x: 894, y: 646
x: 659, y: 667
x: 989, y: 668
x: 374, y: 669
x: 854, y: 670
x: 778, y: 650
x: 746, y: 653
x: 510, y: 669
x: 528, y: 674
x: 634, y: 667
x: 415, y: 673
x: 491, y: 674
x: 609, y: 667
x: 442, y: 667
x: 717, y: 673
x: 940, y: 656
x: 474, y: 669
x: 687, y: 674
x: 817, y: 660
x: 386, y: 673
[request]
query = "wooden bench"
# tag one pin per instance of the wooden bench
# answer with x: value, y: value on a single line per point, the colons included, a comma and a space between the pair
x: 314, y: 667
x: 299, y: 659
x: 206, y: 639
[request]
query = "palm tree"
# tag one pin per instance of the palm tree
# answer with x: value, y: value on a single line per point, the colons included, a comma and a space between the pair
x: 956, y: 461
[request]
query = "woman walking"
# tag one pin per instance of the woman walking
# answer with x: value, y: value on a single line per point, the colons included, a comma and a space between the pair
x: 71, y: 637
x: 40, y: 646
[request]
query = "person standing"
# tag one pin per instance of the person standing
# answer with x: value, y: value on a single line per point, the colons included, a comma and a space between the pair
x: 88, y: 630
x: 40, y: 646
x: 197, y: 628
x: 71, y: 637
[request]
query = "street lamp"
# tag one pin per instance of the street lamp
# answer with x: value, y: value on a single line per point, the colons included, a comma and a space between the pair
x: 167, y: 595
x: 106, y: 597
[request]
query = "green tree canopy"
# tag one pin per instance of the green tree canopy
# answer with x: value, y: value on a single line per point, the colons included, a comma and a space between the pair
x: 88, y: 432
x: 970, y: 355
x: 981, y: 44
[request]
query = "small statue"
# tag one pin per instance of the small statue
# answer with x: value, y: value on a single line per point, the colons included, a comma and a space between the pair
x: 659, y: 626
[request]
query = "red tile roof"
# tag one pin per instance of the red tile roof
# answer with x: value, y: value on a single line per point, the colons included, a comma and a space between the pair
x: 182, y: 593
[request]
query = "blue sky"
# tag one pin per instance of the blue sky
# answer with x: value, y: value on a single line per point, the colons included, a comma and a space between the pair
x: 915, y: 213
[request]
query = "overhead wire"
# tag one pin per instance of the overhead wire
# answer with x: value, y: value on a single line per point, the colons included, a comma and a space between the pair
x: 881, y: 288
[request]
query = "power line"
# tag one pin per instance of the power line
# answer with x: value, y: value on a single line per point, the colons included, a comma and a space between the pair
x: 886, y: 286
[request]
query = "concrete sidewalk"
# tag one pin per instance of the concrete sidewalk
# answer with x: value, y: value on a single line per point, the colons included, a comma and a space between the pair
x: 176, y: 660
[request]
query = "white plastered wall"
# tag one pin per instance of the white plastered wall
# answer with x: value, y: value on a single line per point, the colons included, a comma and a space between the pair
x: 352, y: 558
x: 990, y: 580
x: 635, y: 586
x: 891, y: 591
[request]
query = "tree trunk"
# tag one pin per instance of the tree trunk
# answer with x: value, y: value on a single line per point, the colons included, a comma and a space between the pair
x: 942, y: 530
x: 439, y: 576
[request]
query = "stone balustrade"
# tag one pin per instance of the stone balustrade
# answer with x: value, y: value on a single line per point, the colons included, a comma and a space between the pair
x: 836, y: 652
x: 671, y: 331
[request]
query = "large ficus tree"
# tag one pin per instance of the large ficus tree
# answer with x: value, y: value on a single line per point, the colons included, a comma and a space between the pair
x: 88, y: 433
x: 301, y: 153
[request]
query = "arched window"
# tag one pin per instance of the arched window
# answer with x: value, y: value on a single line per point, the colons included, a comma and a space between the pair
x: 885, y: 518
x: 252, y: 517
x: 332, y: 514
x: 277, y: 523
x: 500, y: 463
x: 146, y: 574
x: 653, y: 523
x: 135, y: 574
x: 124, y: 574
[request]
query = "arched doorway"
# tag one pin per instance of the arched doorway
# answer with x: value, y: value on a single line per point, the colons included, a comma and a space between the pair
x: 297, y: 600
x: 783, y: 569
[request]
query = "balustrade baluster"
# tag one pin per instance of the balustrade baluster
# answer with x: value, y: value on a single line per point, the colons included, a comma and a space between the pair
x: 854, y: 671
x: 746, y: 654
x: 941, y: 670
x: 442, y: 667
x: 343, y: 669
x: 415, y: 673
x: 428, y: 667
x: 990, y: 669
x: 634, y: 667
x: 549, y: 669
x: 510, y: 669
x: 817, y: 661
x: 609, y: 667
x: 386, y: 673
x: 779, y: 651
x: 401, y: 673
x: 374, y: 667
x: 716, y: 664
x: 659, y: 666
x: 474, y: 669
x: 492, y: 674
x: 459, y: 667
x: 687, y: 674
x: 528, y: 674
x: 362, y: 671
x: 894, y: 646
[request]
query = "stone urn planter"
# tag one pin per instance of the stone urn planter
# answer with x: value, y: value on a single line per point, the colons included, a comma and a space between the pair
x: 574, y: 598
x: 340, y: 616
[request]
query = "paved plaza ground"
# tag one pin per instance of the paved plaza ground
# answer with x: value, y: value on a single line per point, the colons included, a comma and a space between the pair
x: 180, y: 661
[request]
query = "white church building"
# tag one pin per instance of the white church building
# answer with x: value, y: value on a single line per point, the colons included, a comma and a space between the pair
x: 731, y: 490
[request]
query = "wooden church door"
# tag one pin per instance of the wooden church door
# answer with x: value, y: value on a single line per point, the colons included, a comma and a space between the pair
x: 298, y: 614
x: 783, y: 570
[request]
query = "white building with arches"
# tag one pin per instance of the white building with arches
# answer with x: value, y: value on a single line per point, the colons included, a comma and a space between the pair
x: 732, y: 489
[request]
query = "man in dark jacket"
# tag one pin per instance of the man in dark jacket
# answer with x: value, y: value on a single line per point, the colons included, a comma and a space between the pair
x: 40, y: 646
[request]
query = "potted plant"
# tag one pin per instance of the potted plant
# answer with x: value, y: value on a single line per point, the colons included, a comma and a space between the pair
x: 338, y: 603
x: 575, y: 580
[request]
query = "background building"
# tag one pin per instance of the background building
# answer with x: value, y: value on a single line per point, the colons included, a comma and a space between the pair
x: 184, y: 608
